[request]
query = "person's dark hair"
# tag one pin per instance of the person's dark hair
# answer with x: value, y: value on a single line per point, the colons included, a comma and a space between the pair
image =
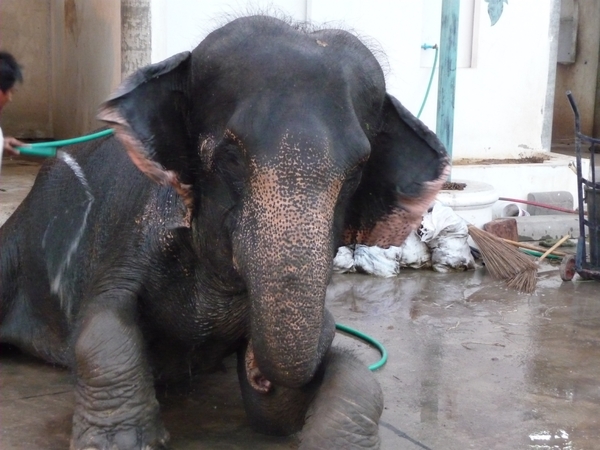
x: 10, y: 71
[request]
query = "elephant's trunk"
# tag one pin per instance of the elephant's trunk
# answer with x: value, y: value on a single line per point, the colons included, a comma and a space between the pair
x: 283, y: 248
x: 289, y: 333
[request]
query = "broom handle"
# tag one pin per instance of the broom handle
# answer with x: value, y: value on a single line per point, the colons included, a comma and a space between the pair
x: 532, y: 247
x: 563, y: 239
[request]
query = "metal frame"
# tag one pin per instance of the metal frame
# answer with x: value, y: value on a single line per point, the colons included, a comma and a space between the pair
x: 586, y: 269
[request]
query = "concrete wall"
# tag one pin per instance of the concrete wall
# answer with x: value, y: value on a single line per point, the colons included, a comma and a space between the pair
x: 24, y: 32
x: 86, y: 56
x: 581, y: 77
x: 70, y: 51
x: 505, y: 80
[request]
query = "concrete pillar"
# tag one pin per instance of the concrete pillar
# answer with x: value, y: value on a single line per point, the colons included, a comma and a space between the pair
x: 136, y: 35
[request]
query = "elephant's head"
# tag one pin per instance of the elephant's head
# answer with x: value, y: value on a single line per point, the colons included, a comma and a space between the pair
x: 287, y: 143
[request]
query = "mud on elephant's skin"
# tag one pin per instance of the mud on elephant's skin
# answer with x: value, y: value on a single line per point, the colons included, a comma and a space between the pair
x: 208, y: 226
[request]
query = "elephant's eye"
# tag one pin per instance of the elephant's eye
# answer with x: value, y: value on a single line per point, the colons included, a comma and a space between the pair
x: 354, y: 176
x: 360, y: 165
x: 230, y: 168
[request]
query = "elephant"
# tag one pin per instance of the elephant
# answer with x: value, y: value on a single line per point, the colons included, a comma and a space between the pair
x: 206, y: 226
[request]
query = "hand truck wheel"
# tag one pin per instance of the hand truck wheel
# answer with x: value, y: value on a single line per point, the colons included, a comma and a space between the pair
x: 567, y: 268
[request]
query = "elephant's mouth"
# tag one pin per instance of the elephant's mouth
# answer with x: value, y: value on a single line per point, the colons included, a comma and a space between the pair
x: 255, y: 377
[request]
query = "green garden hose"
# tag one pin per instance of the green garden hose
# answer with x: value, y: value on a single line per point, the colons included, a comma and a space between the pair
x: 538, y: 254
x: 435, y: 59
x: 369, y: 340
x: 48, y: 149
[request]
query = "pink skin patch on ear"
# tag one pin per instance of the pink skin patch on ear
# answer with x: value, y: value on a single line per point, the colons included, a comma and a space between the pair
x: 255, y: 378
x: 140, y: 158
x: 396, y: 226
x: 206, y: 151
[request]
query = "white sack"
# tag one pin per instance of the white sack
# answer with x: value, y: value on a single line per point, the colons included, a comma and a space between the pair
x: 446, y: 234
x: 344, y: 260
x: 377, y: 261
x: 415, y: 253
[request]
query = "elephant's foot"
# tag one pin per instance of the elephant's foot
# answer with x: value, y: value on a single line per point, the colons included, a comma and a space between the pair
x: 117, y: 420
x: 115, y: 402
x: 125, y: 436
x: 339, y: 408
x: 346, y: 409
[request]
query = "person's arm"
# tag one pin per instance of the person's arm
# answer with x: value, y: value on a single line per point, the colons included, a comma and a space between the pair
x: 11, y: 144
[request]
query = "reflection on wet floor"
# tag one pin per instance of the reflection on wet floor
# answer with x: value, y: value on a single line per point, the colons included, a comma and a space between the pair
x: 472, y: 365
x: 476, y: 365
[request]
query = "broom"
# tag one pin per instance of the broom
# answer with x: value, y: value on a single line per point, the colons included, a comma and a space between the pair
x: 504, y: 261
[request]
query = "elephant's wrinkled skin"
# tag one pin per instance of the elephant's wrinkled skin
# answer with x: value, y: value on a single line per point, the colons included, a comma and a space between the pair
x: 257, y: 154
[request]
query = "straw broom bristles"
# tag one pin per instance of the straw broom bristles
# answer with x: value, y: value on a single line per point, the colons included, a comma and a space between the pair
x: 505, y: 262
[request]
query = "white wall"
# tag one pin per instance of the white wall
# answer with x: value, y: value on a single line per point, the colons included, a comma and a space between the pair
x: 179, y: 25
x: 504, y: 103
x: 505, y: 80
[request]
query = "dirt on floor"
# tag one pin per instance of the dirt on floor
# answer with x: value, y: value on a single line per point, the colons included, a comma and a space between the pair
x: 525, y: 159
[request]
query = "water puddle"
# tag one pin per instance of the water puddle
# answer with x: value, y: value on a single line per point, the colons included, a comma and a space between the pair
x: 546, y: 440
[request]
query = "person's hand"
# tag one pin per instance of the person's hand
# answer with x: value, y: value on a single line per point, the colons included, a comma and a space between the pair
x: 11, y: 144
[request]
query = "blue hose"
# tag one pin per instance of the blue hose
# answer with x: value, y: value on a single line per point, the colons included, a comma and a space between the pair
x: 369, y: 340
x: 48, y: 149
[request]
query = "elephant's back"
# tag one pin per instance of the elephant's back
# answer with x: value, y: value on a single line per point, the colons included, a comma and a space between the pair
x: 78, y: 220
x: 88, y: 190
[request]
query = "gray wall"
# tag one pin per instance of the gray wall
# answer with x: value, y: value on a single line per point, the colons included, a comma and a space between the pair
x: 25, y: 32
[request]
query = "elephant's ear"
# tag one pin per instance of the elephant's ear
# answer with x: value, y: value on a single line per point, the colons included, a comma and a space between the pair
x: 149, y: 113
x: 407, y: 167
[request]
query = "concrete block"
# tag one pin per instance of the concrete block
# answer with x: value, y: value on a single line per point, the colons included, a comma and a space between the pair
x: 555, y: 226
x: 561, y: 199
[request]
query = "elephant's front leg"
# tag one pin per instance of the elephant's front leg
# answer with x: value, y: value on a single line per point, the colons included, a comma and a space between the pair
x: 339, y: 408
x: 115, y: 403
x: 346, y: 410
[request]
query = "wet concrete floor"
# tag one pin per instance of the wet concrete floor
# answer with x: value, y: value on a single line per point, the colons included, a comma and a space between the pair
x: 472, y: 365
